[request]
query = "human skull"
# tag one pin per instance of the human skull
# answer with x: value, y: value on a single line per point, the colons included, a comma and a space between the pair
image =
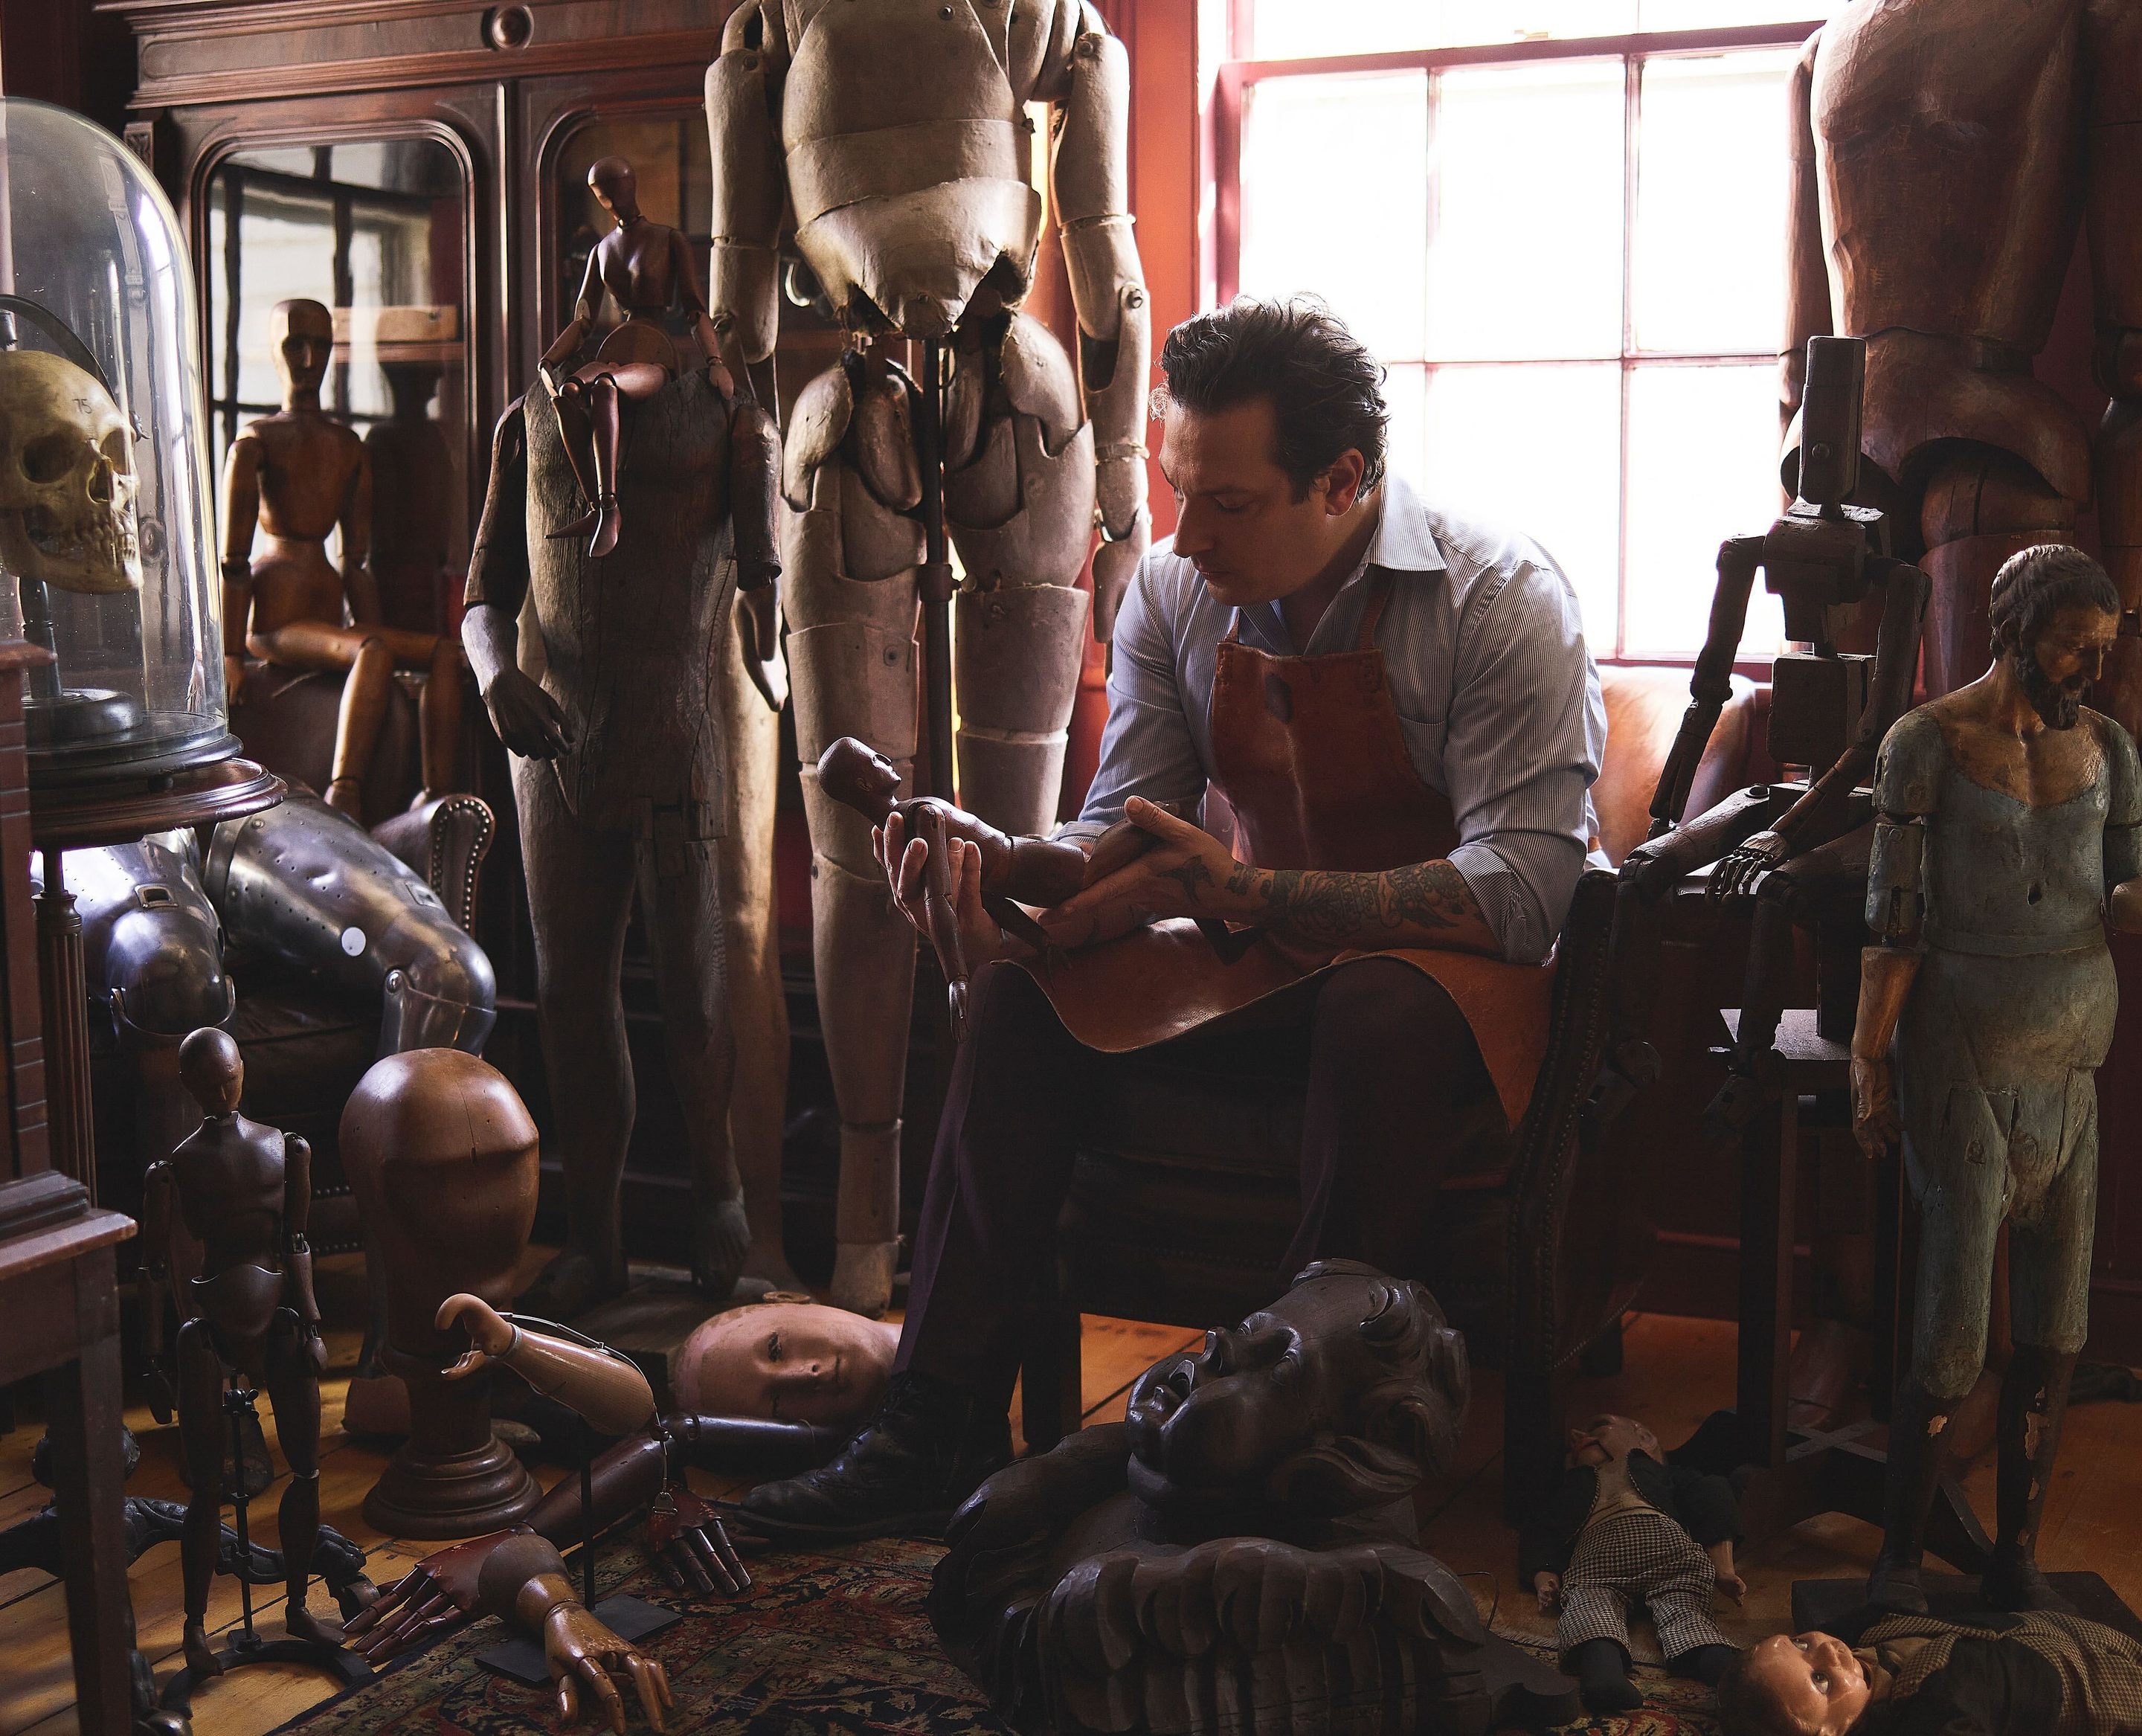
x: 67, y: 480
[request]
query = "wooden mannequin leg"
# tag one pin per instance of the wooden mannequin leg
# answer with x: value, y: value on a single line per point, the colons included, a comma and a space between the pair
x: 204, y: 1433
x: 357, y: 730
x: 439, y: 719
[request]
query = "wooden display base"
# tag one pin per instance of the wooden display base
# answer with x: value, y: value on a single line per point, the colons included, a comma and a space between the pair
x: 453, y: 1476
x: 1951, y: 1597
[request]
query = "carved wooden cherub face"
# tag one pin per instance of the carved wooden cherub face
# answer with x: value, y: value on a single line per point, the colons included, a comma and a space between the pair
x: 796, y: 1362
x: 1342, y: 1395
x: 302, y: 335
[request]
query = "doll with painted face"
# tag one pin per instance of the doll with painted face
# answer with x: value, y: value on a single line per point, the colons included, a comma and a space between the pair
x: 1987, y: 1674
x: 1624, y: 1527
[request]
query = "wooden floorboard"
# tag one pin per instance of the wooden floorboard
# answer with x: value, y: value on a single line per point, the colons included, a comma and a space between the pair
x: 1676, y: 1372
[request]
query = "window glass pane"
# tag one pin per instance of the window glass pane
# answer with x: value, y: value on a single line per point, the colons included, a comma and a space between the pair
x: 1525, y: 253
x: 1533, y: 449
x: 1290, y: 29
x: 1703, y: 466
x: 1724, y: 14
x: 1710, y: 266
x: 1405, y: 442
x: 1334, y: 202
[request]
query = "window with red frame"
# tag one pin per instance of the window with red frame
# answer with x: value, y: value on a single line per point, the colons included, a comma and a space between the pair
x: 1561, y: 224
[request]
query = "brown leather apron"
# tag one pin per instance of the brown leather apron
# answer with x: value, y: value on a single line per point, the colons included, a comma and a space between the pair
x: 1309, y: 752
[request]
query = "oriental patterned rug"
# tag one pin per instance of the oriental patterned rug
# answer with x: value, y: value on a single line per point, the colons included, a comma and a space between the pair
x: 835, y: 1642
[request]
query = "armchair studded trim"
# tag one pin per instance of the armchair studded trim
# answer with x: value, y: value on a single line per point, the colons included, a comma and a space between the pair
x: 462, y: 829
x: 1565, y: 1291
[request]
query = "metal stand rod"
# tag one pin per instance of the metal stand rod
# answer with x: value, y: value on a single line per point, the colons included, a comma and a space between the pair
x: 937, y: 579
x: 236, y: 1403
x: 587, y: 1528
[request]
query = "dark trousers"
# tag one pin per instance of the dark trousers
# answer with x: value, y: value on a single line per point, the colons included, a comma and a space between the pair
x: 1393, y: 1079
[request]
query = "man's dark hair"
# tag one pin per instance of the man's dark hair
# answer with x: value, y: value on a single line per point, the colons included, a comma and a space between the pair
x: 1325, y: 389
x: 2037, y: 583
x: 1745, y: 1709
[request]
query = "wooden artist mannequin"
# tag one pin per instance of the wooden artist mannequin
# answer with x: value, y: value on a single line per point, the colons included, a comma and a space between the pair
x: 894, y: 151
x: 647, y: 267
x: 2009, y: 819
x: 298, y: 475
x: 243, y: 1192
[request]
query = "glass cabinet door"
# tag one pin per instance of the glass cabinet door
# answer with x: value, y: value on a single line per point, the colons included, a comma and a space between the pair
x: 377, y: 231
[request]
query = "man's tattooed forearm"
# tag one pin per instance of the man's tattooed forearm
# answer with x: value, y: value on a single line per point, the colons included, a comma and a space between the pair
x: 1425, y: 900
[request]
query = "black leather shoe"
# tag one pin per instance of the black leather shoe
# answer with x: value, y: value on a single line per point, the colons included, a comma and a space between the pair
x: 904, y: 1475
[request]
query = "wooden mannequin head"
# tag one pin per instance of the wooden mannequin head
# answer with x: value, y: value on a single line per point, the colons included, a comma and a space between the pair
x: 301, y: 333
x: 615, y: 187
x: 212, y: 1071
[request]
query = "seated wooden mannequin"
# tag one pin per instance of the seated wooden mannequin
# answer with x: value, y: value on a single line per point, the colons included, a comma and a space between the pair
x: 647, y: 266
x: 297, y: 476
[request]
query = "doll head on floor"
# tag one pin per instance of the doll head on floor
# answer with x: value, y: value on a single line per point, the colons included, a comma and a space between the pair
x: 786, y: 1358
x: 1607, y: 1437
x: 1796, y: 1684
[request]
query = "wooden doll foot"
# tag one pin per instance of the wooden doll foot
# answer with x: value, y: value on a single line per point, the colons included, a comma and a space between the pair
x: 303, y: 1623
x: 608, y: 521
x: 346, y: 795
x: 201, y: 1659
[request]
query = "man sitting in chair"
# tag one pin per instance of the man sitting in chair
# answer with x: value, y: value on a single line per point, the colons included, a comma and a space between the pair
x: 1399, y: 711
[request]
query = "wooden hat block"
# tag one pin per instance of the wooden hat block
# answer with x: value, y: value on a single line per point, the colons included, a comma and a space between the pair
x: 441, y: 1154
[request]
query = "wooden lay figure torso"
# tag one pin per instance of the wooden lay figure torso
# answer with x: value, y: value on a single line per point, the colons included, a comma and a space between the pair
x: 297, y: 476
x: 309, y: 471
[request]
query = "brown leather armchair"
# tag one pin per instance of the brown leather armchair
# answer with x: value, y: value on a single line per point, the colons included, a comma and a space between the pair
x: 305, y: 1049
x: 1186, y: 1190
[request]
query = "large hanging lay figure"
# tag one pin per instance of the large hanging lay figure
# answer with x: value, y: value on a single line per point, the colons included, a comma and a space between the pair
x: 299, y: 475
x: 2007, y: 823
x: 620, y: 766
x: 2034, y: 104
x: 897, y: 131
x: 1399, y: 708
x: 243, y: 1191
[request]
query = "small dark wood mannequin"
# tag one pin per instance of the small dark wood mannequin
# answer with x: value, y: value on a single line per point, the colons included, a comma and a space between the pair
x: 441, y: 1154
x: 243, y: 1191
x: 1015, y: 871
x: 647, y: 267
x: 298, y: 475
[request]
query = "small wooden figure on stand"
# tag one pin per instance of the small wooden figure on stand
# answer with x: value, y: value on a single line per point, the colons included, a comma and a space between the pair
x: 1014, y: 871
x: 299, y: 475
x: 243, y: 1191
x: 647, y: 267
x: 1626, y: 1527
x: 2009, y: 819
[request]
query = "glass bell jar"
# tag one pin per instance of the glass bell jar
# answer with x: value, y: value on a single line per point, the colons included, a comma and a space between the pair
x: 106, y: 522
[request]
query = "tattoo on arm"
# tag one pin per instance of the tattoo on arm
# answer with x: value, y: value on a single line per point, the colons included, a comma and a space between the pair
x: 1425, y: 904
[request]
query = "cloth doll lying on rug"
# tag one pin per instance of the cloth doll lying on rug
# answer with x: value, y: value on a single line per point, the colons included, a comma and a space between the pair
x: 1624, y: 1527
x: 2034, y: 1673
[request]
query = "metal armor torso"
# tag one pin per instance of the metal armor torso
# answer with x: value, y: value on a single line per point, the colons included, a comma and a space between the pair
x: 629, y: 643
x: 909, y: 154
x: 1949, y: 135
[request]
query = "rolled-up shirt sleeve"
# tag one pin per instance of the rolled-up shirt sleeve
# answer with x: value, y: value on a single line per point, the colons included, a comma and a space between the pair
x: 1526, y: 733
x: 1148, y: 749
